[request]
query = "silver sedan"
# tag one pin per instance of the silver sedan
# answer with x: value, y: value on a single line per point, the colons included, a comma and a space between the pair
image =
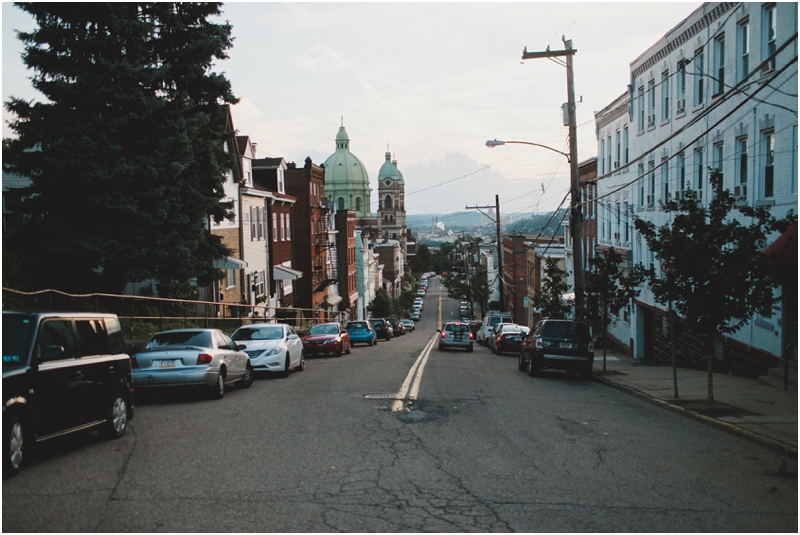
x: 203, y: 357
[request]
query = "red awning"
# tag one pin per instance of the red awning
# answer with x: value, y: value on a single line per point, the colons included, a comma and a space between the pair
x: 783, y: 251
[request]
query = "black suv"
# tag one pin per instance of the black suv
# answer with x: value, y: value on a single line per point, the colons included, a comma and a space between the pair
x: 559, y: 344
x: 382, y: 328
x: 62, y: 373
x: 397, y: 327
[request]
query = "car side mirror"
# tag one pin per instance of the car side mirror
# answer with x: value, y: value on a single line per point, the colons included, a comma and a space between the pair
x: 239, y: 347
x: 52, y: 353
x: 293, y: 337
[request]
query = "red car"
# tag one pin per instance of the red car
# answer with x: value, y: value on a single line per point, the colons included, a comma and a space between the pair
x: 326, y: 338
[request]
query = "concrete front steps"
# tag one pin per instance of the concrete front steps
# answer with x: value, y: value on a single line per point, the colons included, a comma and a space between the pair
x: 776, y: 376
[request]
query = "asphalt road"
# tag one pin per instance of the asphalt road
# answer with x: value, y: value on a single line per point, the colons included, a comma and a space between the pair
x: 483, y: 448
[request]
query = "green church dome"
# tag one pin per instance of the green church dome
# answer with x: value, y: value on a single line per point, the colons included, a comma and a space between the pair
x: 346, y: 178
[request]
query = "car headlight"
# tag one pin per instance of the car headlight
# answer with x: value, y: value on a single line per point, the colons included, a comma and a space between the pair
x: 329, y: 341
x: 275, y: 350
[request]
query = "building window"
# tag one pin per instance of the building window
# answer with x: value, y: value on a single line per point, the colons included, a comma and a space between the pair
x: 680, y: 88
x: 274, y: 227
x: 665, y: 180
x: 358, y: 204
x: 740, y: 187
x: 651, y: 184
x: 641, y: 178
x: 768, y: 36
x: 742, y: 50
x: 665, y: 96
x: 719, y: 65
x: 625, y: 143
x: 768, y: 147
x: 651, y: 103
x: 608, y: 142
x: 627, y: 225
x: 681, y: 175
x: 283, y: 227
x: 341, y: 203
x: 641, y: 110
x: 698, y: 178
x: 618, y: 159
x: 699, y: 78
x: 718, y: 159
x: 288, y: 228
x: 794, y: 159
x: 230, y: 278
x: 602, y: 156
x: 387, y: 202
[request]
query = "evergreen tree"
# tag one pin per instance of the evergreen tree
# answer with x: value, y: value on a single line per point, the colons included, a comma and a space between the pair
x: 381, y: 305
x: 715, y: 274
x: 554, y: 285
x: 126, y: 153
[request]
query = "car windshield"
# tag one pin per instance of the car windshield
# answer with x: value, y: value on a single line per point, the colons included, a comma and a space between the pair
x: 270, y: 332
x: 357, y: 325
x: 324, y: 329
x: 377, y: 323
x: 17, y: 334
x: 180, y: 338
x: 565, y: 329
x: 453, y: 328
x: 514, y: 329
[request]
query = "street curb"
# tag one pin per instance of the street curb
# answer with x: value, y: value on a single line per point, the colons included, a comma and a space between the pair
x: 762, y: 440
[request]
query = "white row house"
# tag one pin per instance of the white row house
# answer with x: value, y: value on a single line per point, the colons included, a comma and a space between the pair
x: 717, y: 92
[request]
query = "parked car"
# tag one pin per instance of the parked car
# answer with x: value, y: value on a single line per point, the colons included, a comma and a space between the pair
x: 326, y: 338
x: 362, y: 331
x: 455, y: 334
x: 508, y: 337
x: 62, y: 373
x: 489, y: 321
x: 397, y: 327
x: 414, y: 316
x: 474, y: 326
x: 409, y: 325
x: 208, y: 358
x: 559, y: 344
x: 382, y: 328
x: 272, y: 347
x: 421, y: 292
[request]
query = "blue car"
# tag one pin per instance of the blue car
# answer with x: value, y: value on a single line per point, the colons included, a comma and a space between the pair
x: 362, y: 331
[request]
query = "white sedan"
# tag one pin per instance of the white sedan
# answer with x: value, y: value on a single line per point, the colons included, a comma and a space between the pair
x: 272, y: 347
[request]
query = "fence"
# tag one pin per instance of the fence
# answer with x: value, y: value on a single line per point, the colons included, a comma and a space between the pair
x: 143, y: 316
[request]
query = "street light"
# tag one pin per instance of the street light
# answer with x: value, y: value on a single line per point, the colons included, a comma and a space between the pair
x: 492, y: 143
x: 575, y: 209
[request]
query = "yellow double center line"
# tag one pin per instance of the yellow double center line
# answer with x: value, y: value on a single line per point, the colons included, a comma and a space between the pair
x: 410, y: 388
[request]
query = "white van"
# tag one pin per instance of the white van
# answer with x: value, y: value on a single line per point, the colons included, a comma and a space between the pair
x: 489, y: 321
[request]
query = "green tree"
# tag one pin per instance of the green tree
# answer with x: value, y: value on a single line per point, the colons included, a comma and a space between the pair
x: 381, y: 305
x: 554, y: 285
x: 608, y: 289
x: 715, y: 274
x: 126, y: 153
x: 401, y: 307
x: 421, y: 261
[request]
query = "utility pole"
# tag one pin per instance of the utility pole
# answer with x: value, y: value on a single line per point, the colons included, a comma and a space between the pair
x: 499, y: 245
x: 575, y: 205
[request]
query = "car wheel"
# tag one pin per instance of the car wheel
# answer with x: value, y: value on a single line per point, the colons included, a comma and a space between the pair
x: 533, y: 370
x: 585, y: 372
x: 370, y: 342
x: 469, y: 349
x: 248, y: 378
x: 348, y: 349
x: 117, y: 421
x: 520, y: 363
x: 286, y: 366
x: 14, y: 438
x: 441, y: 348
x: 499, y: 351
x: 302, y: 366
x: 218, y: 390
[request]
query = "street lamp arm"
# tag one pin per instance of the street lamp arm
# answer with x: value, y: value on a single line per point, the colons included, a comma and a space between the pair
x: 496, y: 142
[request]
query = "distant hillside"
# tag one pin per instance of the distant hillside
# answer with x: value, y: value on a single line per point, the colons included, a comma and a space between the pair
x: 520, y: 223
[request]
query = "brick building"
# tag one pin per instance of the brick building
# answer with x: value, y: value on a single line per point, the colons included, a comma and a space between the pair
x: 346, y: 249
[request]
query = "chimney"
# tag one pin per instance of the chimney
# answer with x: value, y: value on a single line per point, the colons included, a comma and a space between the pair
x: 255, y: 148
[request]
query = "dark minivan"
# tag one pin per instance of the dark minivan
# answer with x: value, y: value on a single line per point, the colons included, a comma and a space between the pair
x: 382, y: 328
x: 559, y: 344
x: 62, y: 373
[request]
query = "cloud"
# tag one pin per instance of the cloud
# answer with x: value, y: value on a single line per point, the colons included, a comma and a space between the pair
x: 319, y: 58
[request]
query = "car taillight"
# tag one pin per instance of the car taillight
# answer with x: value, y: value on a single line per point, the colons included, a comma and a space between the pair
x: 442, y: 334
x: 204, y: 358
x: 134, y: 364
x: 591, y: 347
x: 539, y: 344
x: 470, y: 335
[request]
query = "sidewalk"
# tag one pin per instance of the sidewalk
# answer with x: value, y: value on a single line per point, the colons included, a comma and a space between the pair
x: 747, y: 407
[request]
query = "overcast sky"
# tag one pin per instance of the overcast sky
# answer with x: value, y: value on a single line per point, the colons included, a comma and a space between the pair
x: 430, y: 81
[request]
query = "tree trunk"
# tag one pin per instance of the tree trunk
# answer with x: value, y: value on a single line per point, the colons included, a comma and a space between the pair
x: 711, y: 371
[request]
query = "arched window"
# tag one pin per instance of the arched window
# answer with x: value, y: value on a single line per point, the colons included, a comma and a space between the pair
x: 387, y: 203
x: 391, y: 219
x: 358, y: 204
x: 341, y: 203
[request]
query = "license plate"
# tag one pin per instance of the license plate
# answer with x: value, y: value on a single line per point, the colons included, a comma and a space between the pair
x: 515, y: 338
x: 166, y: 364
x: 565, y: 345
